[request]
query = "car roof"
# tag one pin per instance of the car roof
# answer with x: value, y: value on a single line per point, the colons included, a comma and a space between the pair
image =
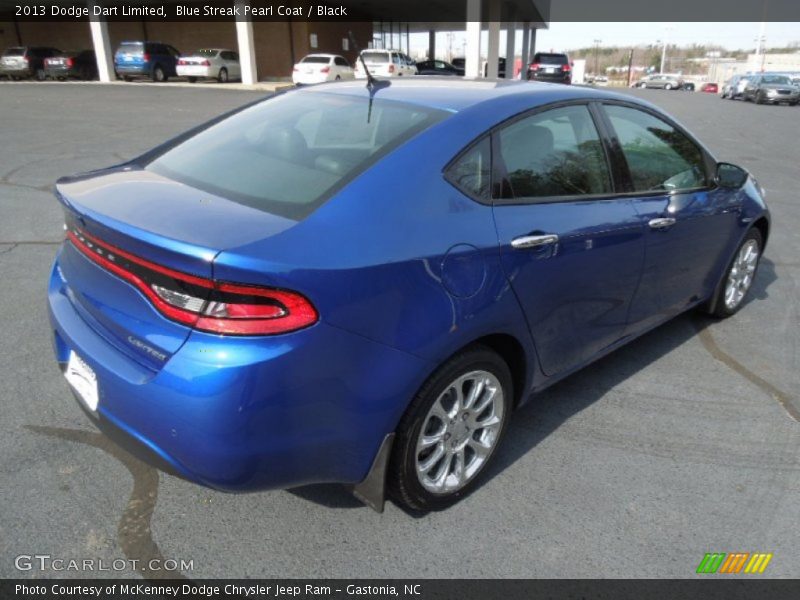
x: 455, y: 96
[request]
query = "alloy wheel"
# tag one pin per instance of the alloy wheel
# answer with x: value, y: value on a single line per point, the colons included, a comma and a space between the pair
x: 740, y: 277
x: 460, y: 432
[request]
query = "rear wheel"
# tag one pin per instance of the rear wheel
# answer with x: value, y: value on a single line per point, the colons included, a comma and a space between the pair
x: 451, y: 430
x: 159, y: 75
x: 668, y: 86
x: 40, y: 74
x: 739, y: 276
x: 223, y: 75
x: 192, y: 79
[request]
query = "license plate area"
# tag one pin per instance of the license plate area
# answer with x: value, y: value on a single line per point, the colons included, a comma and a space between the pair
x: 83, y: 380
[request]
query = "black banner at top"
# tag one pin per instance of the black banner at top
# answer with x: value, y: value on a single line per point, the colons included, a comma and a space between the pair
x: 404, y: 11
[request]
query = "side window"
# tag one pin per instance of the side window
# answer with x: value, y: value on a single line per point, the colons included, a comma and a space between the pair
x: 472, y: 171
x: 554, y: 153
x: 395, y: 58
x: 659, y: 156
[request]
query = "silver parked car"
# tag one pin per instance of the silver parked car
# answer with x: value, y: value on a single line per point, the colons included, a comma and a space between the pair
x: 772, y: 89
x: 661, y: 82
x: 735, y: 86
x: 210, y: 63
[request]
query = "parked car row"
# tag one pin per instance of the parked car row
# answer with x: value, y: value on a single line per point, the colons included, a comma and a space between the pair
x: 763, y: 88
x: 132, y: 60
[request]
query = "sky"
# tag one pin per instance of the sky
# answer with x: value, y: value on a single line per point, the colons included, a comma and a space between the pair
x: 567, y: 36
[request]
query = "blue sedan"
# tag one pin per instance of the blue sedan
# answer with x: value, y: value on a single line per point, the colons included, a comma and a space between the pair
x: 361, y: 284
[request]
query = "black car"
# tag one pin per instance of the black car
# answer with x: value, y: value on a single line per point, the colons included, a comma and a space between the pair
x: 501, y: 68
x: 551, y: 67
x: 437, y: 67
x: 22, y: 62
x: 80, y: 64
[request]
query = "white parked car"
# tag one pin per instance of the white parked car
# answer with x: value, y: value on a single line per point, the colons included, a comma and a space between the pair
x: 385, y: 63
x: 211, y: 63
x: 318, y: 68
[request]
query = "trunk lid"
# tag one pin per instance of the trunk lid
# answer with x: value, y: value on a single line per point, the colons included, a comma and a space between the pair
x: 127, y: 212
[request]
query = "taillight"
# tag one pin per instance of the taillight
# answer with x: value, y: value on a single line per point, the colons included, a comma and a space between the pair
x: 146, y: 57
x: 213, y: 306
x: 566, y: 68
x: 181, y: 61
x: 391, y: 68
x: 206, y: 63
x: 70, y: 62
x: 535, y: 66
x: 325, y: 70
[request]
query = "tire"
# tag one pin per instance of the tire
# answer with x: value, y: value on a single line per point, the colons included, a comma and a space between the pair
x: 192, y: 79
x: 738, y: 267
x: 40, y: 75
x: 128, y: 79
x: 159, y: 76
x: 454, y: 433
x: 223, y: 75
x: 338, y: 78
x: 759, y: 99
x: 668, y: 87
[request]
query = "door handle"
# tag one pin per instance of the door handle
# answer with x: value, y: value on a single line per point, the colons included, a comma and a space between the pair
x: 534, y: 241
x: 661, y: 223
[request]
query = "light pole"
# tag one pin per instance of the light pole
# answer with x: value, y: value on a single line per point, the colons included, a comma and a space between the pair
x: 596, y: 50
x: 664, y: 50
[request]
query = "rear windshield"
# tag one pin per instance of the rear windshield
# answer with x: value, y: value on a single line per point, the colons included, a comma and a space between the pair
x: 208, y: 53
x: 14, y: 52
x: 375, y: 57
x: 289, y: 154
x: 321, y: 60
x: 550, y: 59
x: 131, y: 47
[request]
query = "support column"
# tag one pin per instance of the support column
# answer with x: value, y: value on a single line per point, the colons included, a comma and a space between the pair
x: 526, y: 32
x: 431, y: 45
x: 247, y: 49
x: 102, y: 47
x: 493, y: 50
x: 472, y: 52
x: 532, y: 49
x: 511, y: 35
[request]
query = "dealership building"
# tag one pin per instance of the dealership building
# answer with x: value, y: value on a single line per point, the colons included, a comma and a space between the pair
x: 269, y: 47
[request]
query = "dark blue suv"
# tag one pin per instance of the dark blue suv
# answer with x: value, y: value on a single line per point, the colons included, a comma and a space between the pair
x: 145, y: 59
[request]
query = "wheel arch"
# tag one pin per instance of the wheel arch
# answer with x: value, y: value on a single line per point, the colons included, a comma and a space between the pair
x: 762, y: 224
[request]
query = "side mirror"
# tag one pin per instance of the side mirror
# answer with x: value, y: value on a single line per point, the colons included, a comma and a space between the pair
x: 730, y: 176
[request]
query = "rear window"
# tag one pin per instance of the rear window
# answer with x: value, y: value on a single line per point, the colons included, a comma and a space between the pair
x: 14, y: 52
x: 375, y: 57
x: 131, y: 47
x: 207, y: 53
x: 550, y: 59
x: 317, y: 60
x: 288, y: 155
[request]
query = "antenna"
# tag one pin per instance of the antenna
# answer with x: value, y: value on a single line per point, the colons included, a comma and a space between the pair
x: 371, y: 81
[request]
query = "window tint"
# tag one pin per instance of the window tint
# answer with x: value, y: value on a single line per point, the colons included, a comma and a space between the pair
x: 472, y: 172
x: 659, y: 156
x: 14, y: 52
x: 554, y: 153
x: 316, y: 60
x: 550, y: 59
x: 341, y: 62
x: 775, y: 79
x: 287, y: 154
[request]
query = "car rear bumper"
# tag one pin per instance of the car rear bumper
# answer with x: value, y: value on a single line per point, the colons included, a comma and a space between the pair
x: 61, y: 72
x: 123, y: 69
x: 16, y: 71
x: 309, y: 78
x: 239, y: 413
x: 195, y: 71
x: 550, y: 77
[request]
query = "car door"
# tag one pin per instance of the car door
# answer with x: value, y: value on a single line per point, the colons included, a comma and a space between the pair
x: 572, y: 248
x: 688, y: 221
x: 232, y: 60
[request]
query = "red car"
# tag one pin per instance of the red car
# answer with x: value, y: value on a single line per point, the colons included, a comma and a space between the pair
x: 710, y: 88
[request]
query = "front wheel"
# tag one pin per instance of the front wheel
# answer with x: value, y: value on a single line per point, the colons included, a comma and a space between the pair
x: 740, y: 275
x: 668, y: 86
x: 159, y: 76
x: 223, y: 75
x: 451, y: 430
x: 40, y: 75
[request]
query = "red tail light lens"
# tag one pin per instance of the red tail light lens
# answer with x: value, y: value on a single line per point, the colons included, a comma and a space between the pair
x: 535, y: 66
x: 325, y: 70
x: 566, y: 68
x: 213, y: 306
x: 70, y: 62
x: 146, y: 57
x: 206, y: 63
x: 391, y: 68
x: 181, y: 61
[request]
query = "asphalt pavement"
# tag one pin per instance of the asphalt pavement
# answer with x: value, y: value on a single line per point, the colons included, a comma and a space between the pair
x: 679, y: 444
